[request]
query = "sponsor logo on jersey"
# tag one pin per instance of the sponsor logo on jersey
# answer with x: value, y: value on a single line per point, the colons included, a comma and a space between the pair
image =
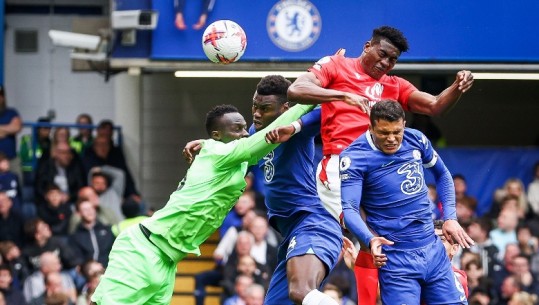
x: 413, y: 182
x: 416, y: 154
x: 294, y: 25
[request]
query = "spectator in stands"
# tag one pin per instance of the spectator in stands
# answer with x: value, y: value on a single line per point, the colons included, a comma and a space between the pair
x: 515, y: 188
x: 9, y: 182
x: 507, y: 268
x: 57, y: 298
x: 62, y: 169
x: 84, y: 138
x: 246, y: 266
x: 479, y: 230
x: 91, y: 239
x: 11, y: 222
x: 528, y: 281
x: 474, y: 273
x: 465, y: 211
x: 523, y: 298
x: 85, y: 296
x: 527, y: 243
x: 104, y: 215
x: 245, y: 203
x: 335, y: 293
x: 10, y: 126
x: 262, y: 251
x: 533, y: 192
x: 41, y: 151
x: 509, y: 287
x: 40, y: 241
x: 55, y: 211
x: 47, y: 278
x: 60, y: 135
x: 506, y: 231
x: 240, y: 287
x: 461, y: 191
x: 254, y: 294
x: 11, y: 293
x: 131, y: 213
x: 103, y: 153
x: 227, y: 245
x: 108, y: 188
x: 11, y: 255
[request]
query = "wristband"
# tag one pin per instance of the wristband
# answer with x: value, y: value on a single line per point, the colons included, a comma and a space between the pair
x: 297, y: 127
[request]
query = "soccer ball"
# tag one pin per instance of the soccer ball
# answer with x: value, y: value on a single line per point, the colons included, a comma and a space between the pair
x: 224, y: 42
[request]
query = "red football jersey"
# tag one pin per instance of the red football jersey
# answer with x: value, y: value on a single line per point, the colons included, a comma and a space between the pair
x: 343, y: 123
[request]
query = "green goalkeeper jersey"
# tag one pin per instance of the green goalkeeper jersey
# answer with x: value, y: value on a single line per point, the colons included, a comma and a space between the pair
x: 210, y: 189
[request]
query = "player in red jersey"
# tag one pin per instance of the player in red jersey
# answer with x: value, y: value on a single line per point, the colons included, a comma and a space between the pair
x: 347, y: 88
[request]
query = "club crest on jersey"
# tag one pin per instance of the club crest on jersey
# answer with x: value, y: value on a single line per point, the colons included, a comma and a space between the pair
x: 374, y: 92
x: 294, y: 25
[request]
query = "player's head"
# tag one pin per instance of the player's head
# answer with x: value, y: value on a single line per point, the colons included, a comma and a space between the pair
x: 450, y: 249
x: 380, y: 54
x: 269, y: 100
x: 387, y: 126
x: 224, y: 123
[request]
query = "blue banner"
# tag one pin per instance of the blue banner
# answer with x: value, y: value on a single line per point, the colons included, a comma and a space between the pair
x: 295, y: 30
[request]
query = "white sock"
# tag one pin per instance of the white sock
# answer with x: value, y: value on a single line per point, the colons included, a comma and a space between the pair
x: 315, y: 297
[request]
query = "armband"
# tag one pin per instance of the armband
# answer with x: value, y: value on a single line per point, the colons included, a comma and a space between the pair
x: 297, y: 127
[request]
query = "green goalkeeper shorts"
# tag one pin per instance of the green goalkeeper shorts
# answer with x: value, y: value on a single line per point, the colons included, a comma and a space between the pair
x: 137, y: 273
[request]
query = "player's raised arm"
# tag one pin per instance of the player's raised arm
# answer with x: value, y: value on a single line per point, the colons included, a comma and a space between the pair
x: 425, y: 103
x: 307, y: 89
x: 255, y: 147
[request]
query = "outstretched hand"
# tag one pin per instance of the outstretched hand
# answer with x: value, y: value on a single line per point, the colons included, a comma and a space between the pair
x: 358, y: 101
x: 454, y: 233
x: 379, y: 258
x: 349, y: 252
x: 191, y: 149
x: 280, y: 134
x: 465, y: 80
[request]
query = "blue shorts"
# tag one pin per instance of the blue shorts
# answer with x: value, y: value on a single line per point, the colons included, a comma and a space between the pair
x: 308, y: 233
x: 422, y: 273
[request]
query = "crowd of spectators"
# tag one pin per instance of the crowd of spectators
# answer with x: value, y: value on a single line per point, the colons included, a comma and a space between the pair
x: 64, y: 199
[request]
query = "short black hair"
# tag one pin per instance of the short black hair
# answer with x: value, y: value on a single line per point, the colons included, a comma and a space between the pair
x: 108, y: 179
x: 215, y: 114
x: 459, y: 176
x: 386, y: 110
x: 393, y: 35
x: 438, y: 224
x: 274, y: 85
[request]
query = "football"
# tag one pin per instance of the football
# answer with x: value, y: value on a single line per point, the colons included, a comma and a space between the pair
x: 224, y: 42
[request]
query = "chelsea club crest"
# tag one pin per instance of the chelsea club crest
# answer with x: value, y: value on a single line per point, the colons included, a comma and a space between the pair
x: 294, y: 25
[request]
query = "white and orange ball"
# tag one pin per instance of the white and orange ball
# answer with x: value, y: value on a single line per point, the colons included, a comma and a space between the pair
x: 224, y: 42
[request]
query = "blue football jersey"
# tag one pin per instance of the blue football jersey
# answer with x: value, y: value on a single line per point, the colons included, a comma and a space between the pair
x: 394, y: 192
x: 289, y: 183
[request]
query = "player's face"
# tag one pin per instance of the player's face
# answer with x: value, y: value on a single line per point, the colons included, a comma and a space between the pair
x: 379, y: 58
x: 387, y: 136
x: 232, y: 127
x: 266, y: 108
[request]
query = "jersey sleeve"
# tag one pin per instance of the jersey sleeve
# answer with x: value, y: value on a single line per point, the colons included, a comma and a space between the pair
x: 311, y: 122
x: 444, y: 182
x: 405, y: 89
x: 352, y: 169
x: 325, y: 69
x: 254, y: 148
